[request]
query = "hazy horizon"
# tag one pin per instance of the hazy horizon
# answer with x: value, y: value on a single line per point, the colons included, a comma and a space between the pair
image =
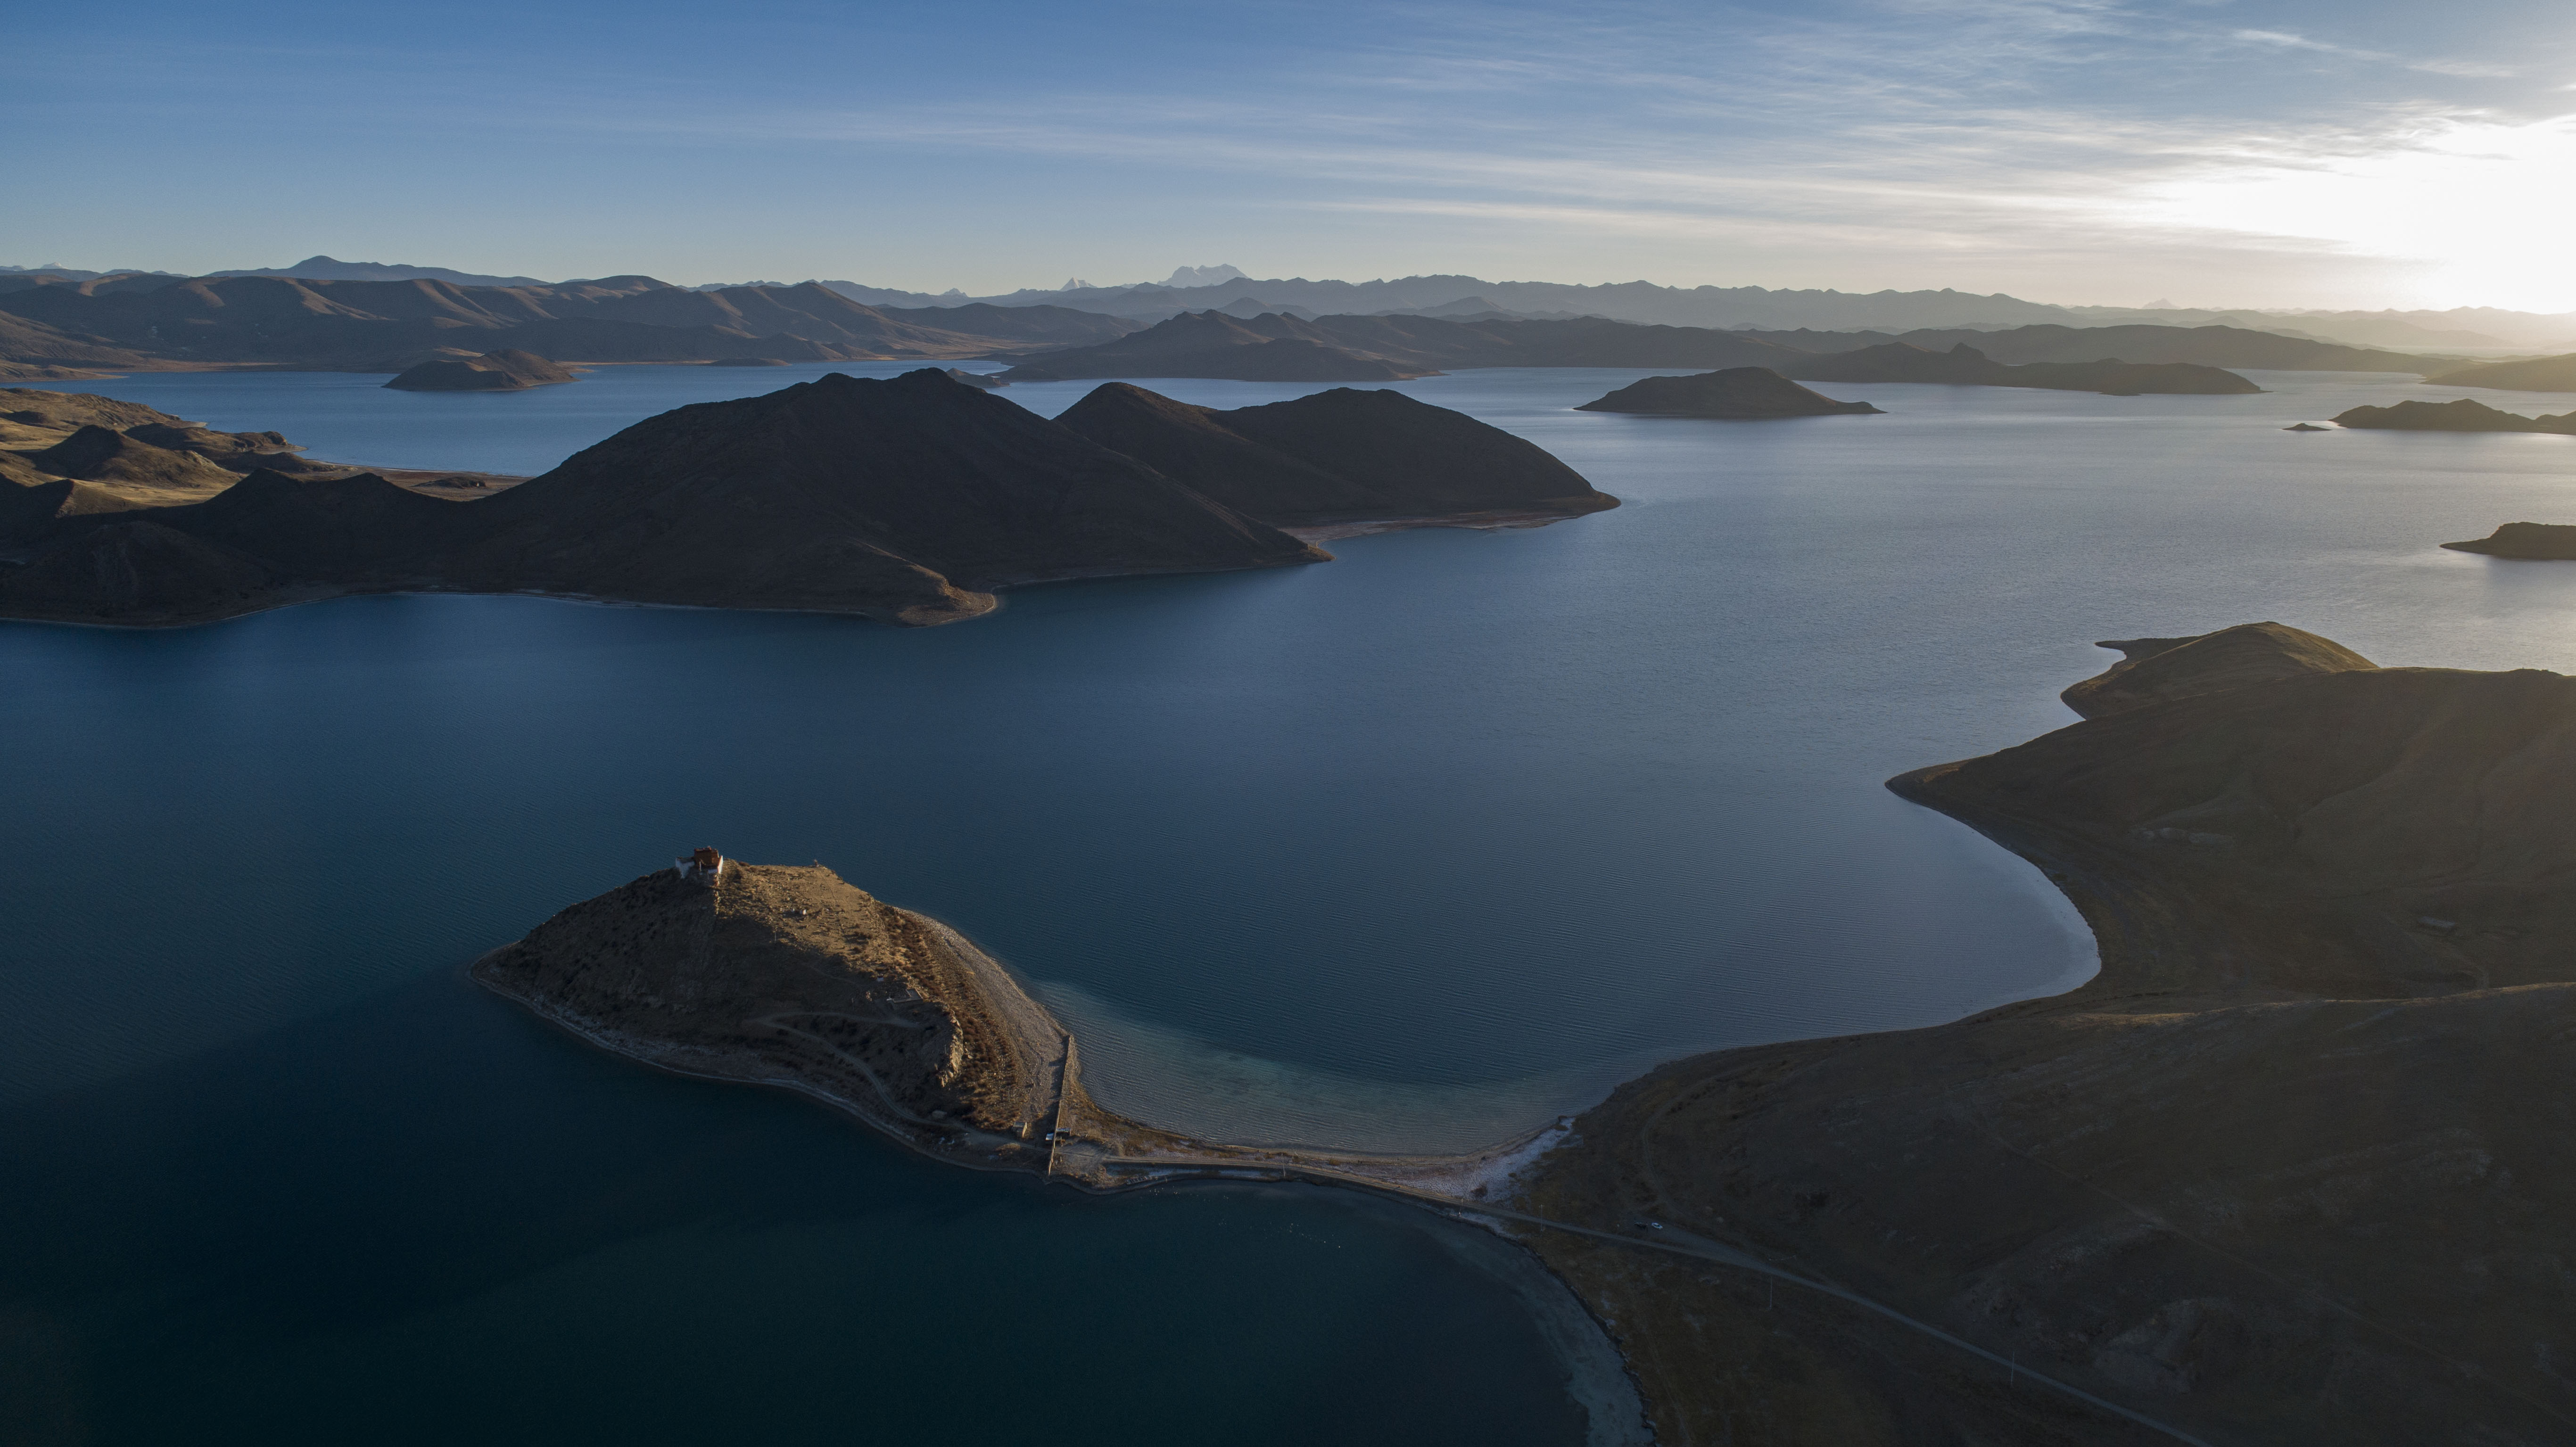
x: 2212, y: 153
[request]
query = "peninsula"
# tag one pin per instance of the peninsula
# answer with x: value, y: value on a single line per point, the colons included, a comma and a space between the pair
x: 912, y: 500
x: 2290, y: 1169
x: 2552, y: 542
x: 2461, y: 414
x: 794, y: 978
x: 1734, y: 393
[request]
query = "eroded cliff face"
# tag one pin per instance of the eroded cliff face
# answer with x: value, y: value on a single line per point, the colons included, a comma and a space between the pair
x: 2288, y: 1170
x: 793, y: 977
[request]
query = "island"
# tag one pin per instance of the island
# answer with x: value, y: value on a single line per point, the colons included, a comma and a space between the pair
x: 2534, y: 374
x: 911, y: 500
x: 1732, y: 394
x: 2546, y: 542
x: 1965, y: 366
x: 507, y: 370
x: 2290, y: 1168
x: 2461, y: 414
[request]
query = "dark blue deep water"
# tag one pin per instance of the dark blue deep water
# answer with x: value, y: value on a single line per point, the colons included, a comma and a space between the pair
x: 1414, y: 849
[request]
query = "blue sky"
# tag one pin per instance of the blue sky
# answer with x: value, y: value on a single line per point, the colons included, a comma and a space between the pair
x: 2214, y: 152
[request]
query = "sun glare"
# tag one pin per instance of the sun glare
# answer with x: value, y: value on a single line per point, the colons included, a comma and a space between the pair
x: 2485, y: 204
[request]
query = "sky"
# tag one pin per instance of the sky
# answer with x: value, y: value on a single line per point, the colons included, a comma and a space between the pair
x: 2285, y: 153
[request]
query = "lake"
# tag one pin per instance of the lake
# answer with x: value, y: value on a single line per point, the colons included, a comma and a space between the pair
x: 1416, y: 849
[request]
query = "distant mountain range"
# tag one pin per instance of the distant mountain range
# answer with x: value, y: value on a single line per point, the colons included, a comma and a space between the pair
x: 49, y: 322
x: 393, y: 325
x: 2459, y: 331
x: 1276, y: 347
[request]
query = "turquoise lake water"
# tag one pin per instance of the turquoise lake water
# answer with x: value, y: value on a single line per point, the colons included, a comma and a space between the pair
x: 1419, y: 848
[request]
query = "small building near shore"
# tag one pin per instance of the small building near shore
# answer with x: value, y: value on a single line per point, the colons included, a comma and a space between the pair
x: 700, y: 866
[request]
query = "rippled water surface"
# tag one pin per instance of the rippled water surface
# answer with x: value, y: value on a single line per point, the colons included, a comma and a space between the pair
x: 1414, y: 849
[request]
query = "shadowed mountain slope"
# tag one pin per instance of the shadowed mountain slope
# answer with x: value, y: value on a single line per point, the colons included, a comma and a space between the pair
x: 907, y: 500
x: 1341, y: 455
x: 823, y: 493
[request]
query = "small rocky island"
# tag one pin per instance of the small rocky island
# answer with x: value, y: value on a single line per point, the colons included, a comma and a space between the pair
x: 2541, y: 542
x: 2290, y: 1169
x: 507, y: 370
x: 2460, y: 414
x: 1732, y: 393
x: 792, y: 977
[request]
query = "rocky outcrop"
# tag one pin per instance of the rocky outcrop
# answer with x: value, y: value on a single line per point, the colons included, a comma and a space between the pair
x: 507, y: 370
x: 1336, y: 456
x: 2288, y: 1170
x: 2534, y: 541
x: 2461, y: 414
x: 1736, y: 393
